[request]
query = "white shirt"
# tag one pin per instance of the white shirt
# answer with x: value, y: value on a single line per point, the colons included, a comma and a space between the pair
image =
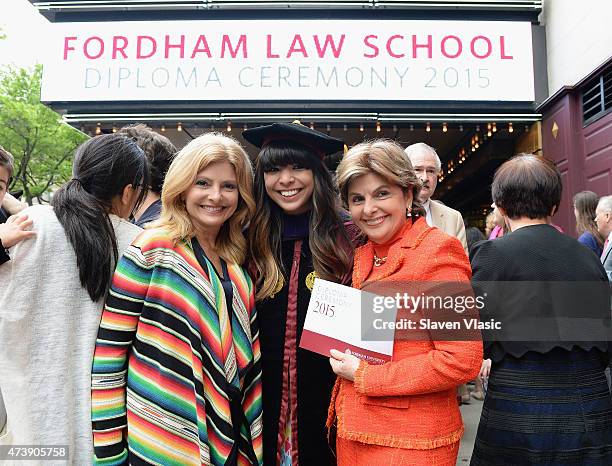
x: 608, y: 245
x: 428, y: 218
x: 48, y: 330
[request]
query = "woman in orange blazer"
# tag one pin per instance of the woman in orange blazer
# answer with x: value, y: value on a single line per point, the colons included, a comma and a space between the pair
x: 403, y: 412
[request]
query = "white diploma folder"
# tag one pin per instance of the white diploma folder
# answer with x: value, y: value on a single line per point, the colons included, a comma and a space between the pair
x: 336, y: 318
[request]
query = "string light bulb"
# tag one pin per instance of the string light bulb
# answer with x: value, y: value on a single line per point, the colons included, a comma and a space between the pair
x: 411, y: 127
x: 494, y: 127
x: 444, y: 127
x: 510, y: 128
x: 395, y: 128
x: 328, y: 128
x: 344, y: 127
x: 361, y: 127
x: 179, y: 126
x: 428, y: 127
x: 229, y: 126
x: 311, y: 125
x: 378, y: 127
x: 245, y: 127
x: 163, y: 128
x: 98, y: 129
x: 461, y: 128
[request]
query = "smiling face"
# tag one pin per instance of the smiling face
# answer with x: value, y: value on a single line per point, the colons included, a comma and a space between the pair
x: 290, y: 187
x: 213, y: 198
x: 378, y: 207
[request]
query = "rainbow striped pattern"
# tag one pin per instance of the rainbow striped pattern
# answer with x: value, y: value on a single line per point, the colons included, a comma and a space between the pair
x: 167, y: 356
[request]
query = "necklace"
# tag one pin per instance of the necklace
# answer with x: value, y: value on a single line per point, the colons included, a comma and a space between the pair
x: 378, y: 261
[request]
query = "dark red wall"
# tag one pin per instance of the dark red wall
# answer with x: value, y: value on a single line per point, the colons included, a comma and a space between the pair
x: 583, y: 154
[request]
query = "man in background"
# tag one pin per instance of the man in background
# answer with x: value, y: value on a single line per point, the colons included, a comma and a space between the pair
x: 160, y: 152
x: 427, y: 166
x: 603, y: 219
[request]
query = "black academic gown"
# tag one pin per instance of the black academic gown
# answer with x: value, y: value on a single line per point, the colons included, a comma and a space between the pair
x: 292, y: 377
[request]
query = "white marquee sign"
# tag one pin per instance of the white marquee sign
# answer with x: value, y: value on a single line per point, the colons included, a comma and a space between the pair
x: 290, y: 60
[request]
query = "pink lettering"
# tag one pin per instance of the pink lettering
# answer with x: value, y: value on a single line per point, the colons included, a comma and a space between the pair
x: 67, y: 47
x: 119, y: 48
x: 297, y: 46
x: 234, y: 52
x: 416, y: 46
x: 389, y: 51
x: 445, y: 51
x: 270, y: 54
x: 329, y: 40
x: 139, y: 46
x: 86, y: 47
x: 201, y: 46
x: 473, y: 47
x: 180, y: 46
x: 366, y: 41
x: 502, y: 45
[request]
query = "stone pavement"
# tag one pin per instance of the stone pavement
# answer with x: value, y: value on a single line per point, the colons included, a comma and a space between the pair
x: 471, y: 416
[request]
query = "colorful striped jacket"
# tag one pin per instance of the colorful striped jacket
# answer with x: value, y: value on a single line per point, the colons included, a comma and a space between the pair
x: 160, y: 393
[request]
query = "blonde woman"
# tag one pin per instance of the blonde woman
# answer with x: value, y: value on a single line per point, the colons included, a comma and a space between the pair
x: 176, y: 372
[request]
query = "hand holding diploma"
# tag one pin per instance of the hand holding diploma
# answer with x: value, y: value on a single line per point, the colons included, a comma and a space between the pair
x: 344, y: 364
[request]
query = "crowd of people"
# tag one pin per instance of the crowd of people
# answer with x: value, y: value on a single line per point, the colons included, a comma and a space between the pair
x: 152, y: 313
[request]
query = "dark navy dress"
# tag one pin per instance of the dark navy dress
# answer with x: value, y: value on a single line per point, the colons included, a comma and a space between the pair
x: 548, y: 401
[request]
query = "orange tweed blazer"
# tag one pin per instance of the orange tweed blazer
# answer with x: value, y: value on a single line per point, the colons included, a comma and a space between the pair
x: 411, y: 401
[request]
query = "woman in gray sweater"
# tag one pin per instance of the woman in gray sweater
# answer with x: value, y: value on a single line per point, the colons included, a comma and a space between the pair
x: 52, y: 295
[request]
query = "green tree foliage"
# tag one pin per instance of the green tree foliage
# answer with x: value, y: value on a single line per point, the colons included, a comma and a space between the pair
x: 41, y: 143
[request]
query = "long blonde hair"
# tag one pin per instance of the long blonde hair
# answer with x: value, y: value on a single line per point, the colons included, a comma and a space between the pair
x: 192, y: 159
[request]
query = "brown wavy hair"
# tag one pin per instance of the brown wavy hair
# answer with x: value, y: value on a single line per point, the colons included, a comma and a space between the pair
x: 332, y: 252
x: 387, y: 159
x: 585, y: 203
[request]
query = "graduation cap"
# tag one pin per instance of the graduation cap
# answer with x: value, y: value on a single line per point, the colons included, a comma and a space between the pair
x: 320, y: 143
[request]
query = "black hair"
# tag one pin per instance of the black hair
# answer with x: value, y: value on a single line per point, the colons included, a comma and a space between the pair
x: 102, y: 168
x: 472, y: 236
x: 332, y: 252
x: 527, y: 185
x: 159, y: 151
